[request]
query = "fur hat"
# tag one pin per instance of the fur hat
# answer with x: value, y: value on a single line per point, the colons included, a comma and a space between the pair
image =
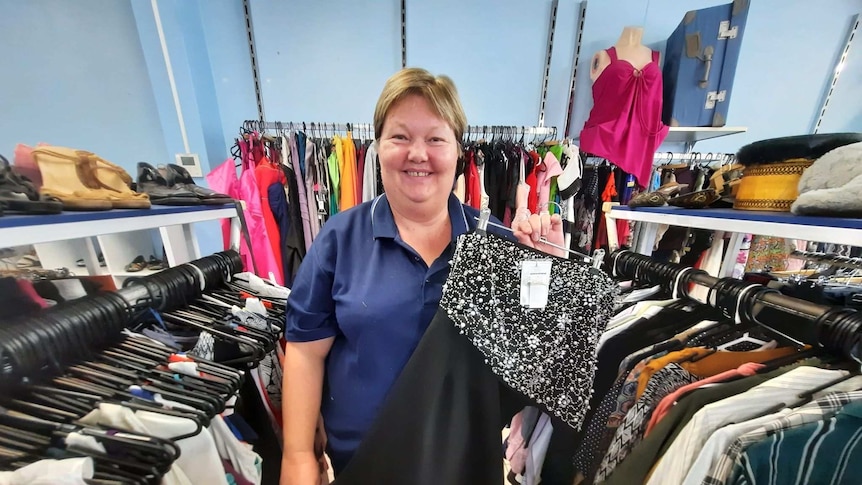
x: 832, y: 186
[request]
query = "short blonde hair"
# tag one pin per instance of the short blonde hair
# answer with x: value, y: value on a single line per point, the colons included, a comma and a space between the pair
x: 438, y: 91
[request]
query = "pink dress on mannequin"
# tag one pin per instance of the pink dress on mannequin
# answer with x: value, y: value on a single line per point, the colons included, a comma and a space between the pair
x: 625, y: 124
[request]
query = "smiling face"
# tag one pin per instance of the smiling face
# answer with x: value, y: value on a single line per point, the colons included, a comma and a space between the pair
x: 418, y: 153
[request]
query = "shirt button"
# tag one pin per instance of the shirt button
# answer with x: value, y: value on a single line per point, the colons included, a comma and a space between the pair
x: 416, y: 258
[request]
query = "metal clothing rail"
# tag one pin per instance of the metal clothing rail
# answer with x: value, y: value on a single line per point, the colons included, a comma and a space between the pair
x: 693, y: 157
x: 548, y: 132
x: 835, y: 328
x: 827, y: 258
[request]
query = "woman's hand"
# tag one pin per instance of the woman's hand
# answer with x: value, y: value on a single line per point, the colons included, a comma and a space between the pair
x: 529, y: 228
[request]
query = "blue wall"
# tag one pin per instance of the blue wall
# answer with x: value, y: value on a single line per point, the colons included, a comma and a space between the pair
x: 91, y: 73
x: 73, y: 74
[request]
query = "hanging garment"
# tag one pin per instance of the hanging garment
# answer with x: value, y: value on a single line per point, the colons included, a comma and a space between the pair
x: 532, y: 180
x: 265, y: 175
x: 636, y: 468
x: 295, y: 249
x: 824, y: 407
x: 677, y: 460
x: 334, y: 188
x: 347, y: 169
x: 369, y: 173
x: 820, y: 452
x: 479, y: 362
x: 223, y: 179
x: 299, y: 189
x: 471, y: 173
x: 310, y: 180
x: 291, y: 256
x: 262, y: 250
x: 361, y: 149
x: 625, y: 124
x: 550, y: 169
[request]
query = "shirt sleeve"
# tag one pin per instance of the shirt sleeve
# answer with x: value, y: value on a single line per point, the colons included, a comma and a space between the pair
x: 310, y: 307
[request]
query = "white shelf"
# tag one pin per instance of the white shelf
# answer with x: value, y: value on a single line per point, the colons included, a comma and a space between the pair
x: 24, y: 230
x: 779, y: 224
x: 129, y: 274
x: 694, y: 134
x: 120, y: 235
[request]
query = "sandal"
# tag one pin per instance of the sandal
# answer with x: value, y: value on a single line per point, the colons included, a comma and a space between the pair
x: 657, y: 198
x: 137, y: 264
x: 112, y: 177
x: 65, y: 178
x: 18, y: 194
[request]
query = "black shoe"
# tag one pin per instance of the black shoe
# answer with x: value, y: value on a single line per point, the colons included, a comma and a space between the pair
x: 156, y: 264
x: 178, y: 175
x: 152, y: 183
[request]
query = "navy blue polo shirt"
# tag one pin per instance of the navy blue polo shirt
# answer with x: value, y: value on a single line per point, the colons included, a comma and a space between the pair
x: 363, y: 285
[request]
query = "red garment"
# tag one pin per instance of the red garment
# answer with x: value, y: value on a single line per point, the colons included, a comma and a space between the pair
x: 625, y: 123
x: 533, y: 182
x: 665, y: 405
x: 266, y: 174
x: 27, y: 288
x: 472, y: 185
x: 360, y: 169
x: 608, y: 195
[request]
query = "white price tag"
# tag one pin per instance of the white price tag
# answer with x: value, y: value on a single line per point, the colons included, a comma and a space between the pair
x: 535, y: 282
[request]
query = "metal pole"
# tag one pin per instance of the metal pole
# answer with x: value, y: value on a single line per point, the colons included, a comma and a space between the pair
x: 551, y: 26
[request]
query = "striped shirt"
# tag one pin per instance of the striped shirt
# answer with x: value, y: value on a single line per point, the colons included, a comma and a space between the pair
x: 679, y: 457
x: 823, y: 408
x: 823, y: 452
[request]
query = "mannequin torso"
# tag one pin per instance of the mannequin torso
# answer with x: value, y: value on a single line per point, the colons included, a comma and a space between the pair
x: 628, y: 47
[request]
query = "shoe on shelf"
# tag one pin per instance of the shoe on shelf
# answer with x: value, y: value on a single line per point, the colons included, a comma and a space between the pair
x: 18, y: 194
x: 178, y: 176
x: 695, y: 200
x: 657, y: 198
x: 156, y: 264
x: 137, y: 264
x: 66, y: 177
x: 152, y: 183
x: 113, y: 178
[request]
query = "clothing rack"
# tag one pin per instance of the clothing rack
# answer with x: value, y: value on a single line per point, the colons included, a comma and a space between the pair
x: 484, y: 131
x: 72, y: 331
x: 836, y: 329
x: 827, y: 258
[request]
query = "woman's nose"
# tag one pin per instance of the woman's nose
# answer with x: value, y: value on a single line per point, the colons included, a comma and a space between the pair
x: 418, y: 151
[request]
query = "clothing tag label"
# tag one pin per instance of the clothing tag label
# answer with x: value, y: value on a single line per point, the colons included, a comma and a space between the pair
x: 535, y: 282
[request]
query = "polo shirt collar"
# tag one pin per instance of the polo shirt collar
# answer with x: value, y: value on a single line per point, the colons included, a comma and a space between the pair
x: 383, y: 222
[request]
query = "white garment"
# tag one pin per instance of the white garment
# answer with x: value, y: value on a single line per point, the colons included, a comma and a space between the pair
x: 70, y: 289
x: 643, y: 309
x: 71, y: 471
x: 186, y: 368
x: 679, y: 457
x: 537, y: 449
x: 199, y: 458
x: 369, y: 173
x: 78, y: 441
x: 244, y: 460
x: 262, y: 287
x: 720, y: 441
x: 711, y: 263
x: 642, y: 294
x: 123, y: 418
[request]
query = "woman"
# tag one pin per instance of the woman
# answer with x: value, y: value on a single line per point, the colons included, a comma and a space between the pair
x: 373, y: 278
